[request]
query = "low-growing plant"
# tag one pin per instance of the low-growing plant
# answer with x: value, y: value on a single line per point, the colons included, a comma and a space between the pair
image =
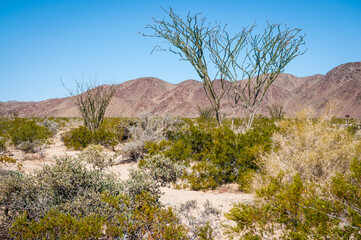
x: 200, y: 220
x: 78, y: 138
x: 142, y: 218
x: 275, y: 111
x: 2, y: 144
x: 68, y: 200
x: 148, y: 129
x: 67, y: 186
x: 205, y: 114
x: 138, y: 183
x: 93, y: 154
x: 28, y: 135
x: 218, y: 155
x: 302, y: 210
x: 109, y: 134
x: 162, y: 169
x: 50, y: 124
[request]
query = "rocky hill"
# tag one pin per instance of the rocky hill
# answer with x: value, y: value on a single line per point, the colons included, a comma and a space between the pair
x: 151, y: 95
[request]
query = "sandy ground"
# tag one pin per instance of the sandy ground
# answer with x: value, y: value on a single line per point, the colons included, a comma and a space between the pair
x: 221, y: 199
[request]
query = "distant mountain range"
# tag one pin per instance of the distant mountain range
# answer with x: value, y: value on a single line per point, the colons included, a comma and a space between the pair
x: 151, y: 95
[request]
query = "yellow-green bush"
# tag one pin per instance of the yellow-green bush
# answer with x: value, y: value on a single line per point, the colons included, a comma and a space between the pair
x: 27, y: 134
x: 109, y: 134
x: 302, y: 210
x: 219, y: 155
x: 78, y: 138
x: 2, y: 144
x: 314, y: 148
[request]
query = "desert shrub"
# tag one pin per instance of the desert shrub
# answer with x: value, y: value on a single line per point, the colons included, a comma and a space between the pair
x: 141, y: 219
x: 314, y: 148
x: 162, y: 169
x: 138, y: 183
x: 353, y: 128
x: 205, y: 114
x: 65, y: 186
x: 2, y: 144
x: 50, y: 124
x: 109, y: 134
x: 58, y: 225
x: 6, y: 159
x: 28, y: 135
x: 78, y: 138
x: 219, y: 155
x: 275, y: 111
x: 200, y: 220
x: 148, y: 129
x: 93, y: 154
x: 302, y: 210
x: 70, y: 201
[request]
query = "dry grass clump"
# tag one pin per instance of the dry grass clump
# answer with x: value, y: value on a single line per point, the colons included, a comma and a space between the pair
x: 311, y: 147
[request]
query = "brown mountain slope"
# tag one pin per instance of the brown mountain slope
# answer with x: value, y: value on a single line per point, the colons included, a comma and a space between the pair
x: 155, y: 96
x: 341, y: 85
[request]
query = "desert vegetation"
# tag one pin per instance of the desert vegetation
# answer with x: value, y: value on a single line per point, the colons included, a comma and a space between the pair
x: 250, y: 61
x: 303, y: 170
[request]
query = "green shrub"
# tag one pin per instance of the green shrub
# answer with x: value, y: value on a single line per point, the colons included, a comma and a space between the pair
x: 109, y: 134
x: 302, y: 210
x: 2, y: 144
x: 205, y: 114
x: 138, y: 183
x: 219, y: 155
x: 28, y: 135
x: 162, y: 169
x: 58, y: 225
x: 78, y: 138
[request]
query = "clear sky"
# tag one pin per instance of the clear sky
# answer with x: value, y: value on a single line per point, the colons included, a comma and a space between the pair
x: 42, y: 42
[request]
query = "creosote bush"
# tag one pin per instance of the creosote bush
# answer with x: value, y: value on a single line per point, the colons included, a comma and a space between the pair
x: 218, y: 155
x: 27, y: 134
x: 2, y: 144
x: 109, y: 134
x: 302, y: 210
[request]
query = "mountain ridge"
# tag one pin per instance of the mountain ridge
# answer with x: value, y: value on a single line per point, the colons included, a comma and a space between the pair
x: 158, y: 97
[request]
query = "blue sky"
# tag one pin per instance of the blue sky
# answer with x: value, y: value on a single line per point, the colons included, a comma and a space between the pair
x: 42, y: 42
